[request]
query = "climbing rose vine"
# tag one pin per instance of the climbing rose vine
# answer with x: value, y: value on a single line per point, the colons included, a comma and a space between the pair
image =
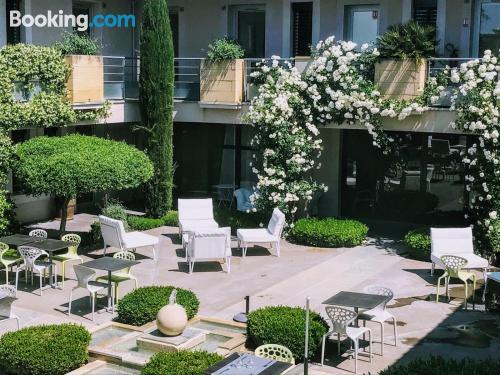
x: 337, y: 87
x: 476, y: 102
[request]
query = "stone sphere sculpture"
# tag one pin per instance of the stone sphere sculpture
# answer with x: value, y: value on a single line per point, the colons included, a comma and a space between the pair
x: 172, y: 318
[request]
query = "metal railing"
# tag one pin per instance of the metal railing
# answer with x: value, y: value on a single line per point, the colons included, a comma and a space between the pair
x: 121, y: 78
x: 251, y: 87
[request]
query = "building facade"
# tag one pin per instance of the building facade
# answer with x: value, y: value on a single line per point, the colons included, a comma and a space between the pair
x: 212, y: 143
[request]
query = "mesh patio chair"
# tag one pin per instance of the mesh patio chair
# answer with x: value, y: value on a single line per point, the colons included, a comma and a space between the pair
x: 32, y: 263
x: 70, y: 255
x: 275, y: 352
x: 454, y: 265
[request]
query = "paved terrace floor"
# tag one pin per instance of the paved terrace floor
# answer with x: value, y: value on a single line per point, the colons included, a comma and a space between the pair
x: 425, y: 327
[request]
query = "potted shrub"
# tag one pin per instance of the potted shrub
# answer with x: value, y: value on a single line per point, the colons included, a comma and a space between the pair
x: 86, y: 81
x: 222, y: 72
x: 401, y: 72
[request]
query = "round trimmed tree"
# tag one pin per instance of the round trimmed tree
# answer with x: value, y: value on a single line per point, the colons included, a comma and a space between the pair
x: 68, y: 166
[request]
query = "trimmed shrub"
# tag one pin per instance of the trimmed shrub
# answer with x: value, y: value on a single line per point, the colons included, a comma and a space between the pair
x: 419, y: 243
x: 180, y: 363
x: 115, y: 210
x: 142, y: 305
x: 44, y: 350
x: 284, y: 325
x: 328, y: 232
x: 144, y: 223
x: 442, y: 366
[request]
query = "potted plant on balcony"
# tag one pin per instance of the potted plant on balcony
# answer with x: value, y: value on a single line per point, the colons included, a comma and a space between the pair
x: 404, y: 49
x: 221, y: 75
x: 86, y: 81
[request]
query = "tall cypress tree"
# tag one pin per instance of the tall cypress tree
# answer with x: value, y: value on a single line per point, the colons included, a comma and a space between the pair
x: 156, y: 93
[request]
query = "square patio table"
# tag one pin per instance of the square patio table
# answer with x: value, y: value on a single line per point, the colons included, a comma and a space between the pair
x: 16, y: 240
x: 111, y: 265
x: 356, y: 300
x: 262, y: 366
x: 51, y: 246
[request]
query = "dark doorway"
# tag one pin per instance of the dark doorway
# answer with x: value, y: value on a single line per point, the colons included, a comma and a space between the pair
x: 302, y: 15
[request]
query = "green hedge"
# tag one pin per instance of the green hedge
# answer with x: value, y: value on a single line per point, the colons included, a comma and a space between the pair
x: 180, y: 363
x: 442, y: 366
x: 285, y: 326
x: 44, y: 350
x: 419, y: 243
x: 328, y: 232
x: 170, y: 219
x: 142, y: 305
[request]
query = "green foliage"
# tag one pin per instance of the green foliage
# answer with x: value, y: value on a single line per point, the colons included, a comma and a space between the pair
x: 76, y: 164
x: 8, y: 221
x: 142, y: 305
x: 328, y: 232
x: 115, y: 210
x: 419, y: 243
x: 95, y: 232
x: 44, y: 350
x: 26, y: 67
x: 284, y: 325
x: 224, y: 49
x: 145, y: 223
x: 181, y: 363
x: 409, y: 41
x: 7, y: 216
x: 156, y: 84
x: 442, y: 366
x: 77, y: 44
x: 227, y: 217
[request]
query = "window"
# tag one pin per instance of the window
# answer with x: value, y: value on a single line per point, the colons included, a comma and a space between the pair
x: 302, y: 14
x: 13, y: 33
x: 174, y: 26
x: 362, y: 23
x: 51, y: 132
x: 487, y: 26
x: 248, y: 26
x: 83, y: 9
x: 425, y: 12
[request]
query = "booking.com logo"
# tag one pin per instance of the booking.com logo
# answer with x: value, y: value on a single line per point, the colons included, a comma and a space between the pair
x: 80, y: 22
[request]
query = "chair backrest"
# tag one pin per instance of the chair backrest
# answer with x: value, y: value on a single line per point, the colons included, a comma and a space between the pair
x: 195, y: 209
x: 380, y: 291
x: 112, y: 231
x: 3, y: 247
x: 30, y: 254
x: 275, y: 352
x: 451, y: 241
x: 127, y: 255
x: 277, y: 223
x: 83, y: 275
x: 453, y: 264
x: 6, y: 303
x: 340, y: 317
x: 76, y: 239
x: 210, y: 243
x: 38, y: 233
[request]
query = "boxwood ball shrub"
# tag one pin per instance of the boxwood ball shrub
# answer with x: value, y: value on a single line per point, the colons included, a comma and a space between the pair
x: 170, y: 219
x: 44, y: 350
x: 419, y: 243
x: 442, y: 366
x: 328, y: 232
x: 142, y: 305
x: 180, y: 363
x: 285, y: 326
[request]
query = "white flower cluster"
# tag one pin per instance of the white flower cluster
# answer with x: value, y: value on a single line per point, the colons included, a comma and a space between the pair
x: 477, y: 104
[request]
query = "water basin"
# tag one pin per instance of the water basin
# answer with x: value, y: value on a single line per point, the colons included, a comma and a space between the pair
x: 105, y: 334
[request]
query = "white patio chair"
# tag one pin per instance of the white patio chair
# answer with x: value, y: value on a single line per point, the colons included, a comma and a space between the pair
x: 271, y: 234
x: 341, y: 319
x: 40, y: 233
x: 456, y: 241
x: 83, y: 277
x: 209, y: 244
x: 114, y: 235
x: 31, y: 263
x: 380, y: 314
x: 195, y: 214
x: 6, y: 313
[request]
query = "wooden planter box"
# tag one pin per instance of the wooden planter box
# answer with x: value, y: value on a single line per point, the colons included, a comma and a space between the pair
x: 86, y: 82
x: 400, y: 79
x: 70, y: 212
x: 222, y: 82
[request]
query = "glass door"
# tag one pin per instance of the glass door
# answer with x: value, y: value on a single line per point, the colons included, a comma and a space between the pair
x: 249, y: 29
x: 362, y: 23
x: 487, y: 27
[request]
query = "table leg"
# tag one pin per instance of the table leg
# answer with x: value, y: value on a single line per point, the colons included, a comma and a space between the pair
x: 50, y: 270
x: 110, y: 308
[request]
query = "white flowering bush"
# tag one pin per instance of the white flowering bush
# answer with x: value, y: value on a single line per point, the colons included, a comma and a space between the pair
x: 476, y: 101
